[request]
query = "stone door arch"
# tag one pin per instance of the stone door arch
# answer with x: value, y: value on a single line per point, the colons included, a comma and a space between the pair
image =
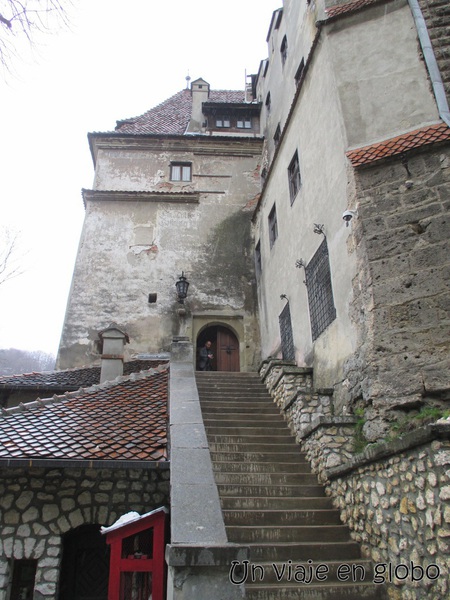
x: 225, y: 347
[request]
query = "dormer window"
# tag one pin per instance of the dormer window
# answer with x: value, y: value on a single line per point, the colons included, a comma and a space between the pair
x: 223, y: 121
x: 244, y: 122
x: 180, y: 171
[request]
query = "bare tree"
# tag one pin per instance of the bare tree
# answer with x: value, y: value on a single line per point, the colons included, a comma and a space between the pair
x: 22, y: 19
x: 10, y: 257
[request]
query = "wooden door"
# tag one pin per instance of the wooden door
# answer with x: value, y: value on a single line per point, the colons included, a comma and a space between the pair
x: 227, y: 348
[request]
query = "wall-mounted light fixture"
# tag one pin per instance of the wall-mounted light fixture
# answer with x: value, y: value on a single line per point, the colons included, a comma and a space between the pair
x: 182, y: 286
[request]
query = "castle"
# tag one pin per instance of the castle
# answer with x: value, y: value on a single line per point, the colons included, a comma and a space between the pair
x: 309, y: 215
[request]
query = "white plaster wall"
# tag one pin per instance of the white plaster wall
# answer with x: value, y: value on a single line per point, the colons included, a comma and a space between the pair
x: 382, y: 81
x: 317, y: 132
x: 130, y: 248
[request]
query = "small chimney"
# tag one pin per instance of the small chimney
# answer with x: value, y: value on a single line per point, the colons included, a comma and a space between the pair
x: 113, y: 343
x: 200, y: 94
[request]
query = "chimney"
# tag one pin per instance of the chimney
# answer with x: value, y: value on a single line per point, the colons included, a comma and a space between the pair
x: 113, y: 343
x: 200, y: 94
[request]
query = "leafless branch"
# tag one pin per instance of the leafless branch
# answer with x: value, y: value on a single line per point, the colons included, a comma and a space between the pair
x: 10, y: 257
x: 23, y: 20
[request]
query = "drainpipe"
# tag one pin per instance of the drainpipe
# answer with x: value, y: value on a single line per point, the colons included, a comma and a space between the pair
x: 431, y: 62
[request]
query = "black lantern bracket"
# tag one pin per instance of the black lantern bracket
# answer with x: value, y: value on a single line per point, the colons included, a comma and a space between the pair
x: 182, y: 286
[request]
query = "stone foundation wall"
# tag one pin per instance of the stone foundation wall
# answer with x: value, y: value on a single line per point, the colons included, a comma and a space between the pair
x: 292, y: 390
x: 398, y: 508
x: 38, y: 506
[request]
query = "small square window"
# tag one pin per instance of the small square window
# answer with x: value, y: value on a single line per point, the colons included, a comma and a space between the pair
x: 223, y: 121
x: 294, y: 177
x: 283, y: 50
x: 273, y: 226
x: 180, y: 171
x: 268, y: 102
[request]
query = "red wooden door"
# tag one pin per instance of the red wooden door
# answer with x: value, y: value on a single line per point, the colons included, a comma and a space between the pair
x: 227, y: 348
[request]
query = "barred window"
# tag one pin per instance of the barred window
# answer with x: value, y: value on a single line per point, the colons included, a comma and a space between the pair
x: 287, y: 338
x: 258, y: 263
x: 294, y: 178
x: 283, y: 50
x: 277, y: 135
x: 320, y: 293
x: 273, y: 226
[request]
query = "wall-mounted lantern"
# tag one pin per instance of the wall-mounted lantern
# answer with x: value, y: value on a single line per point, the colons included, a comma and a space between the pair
x: 182, y: 286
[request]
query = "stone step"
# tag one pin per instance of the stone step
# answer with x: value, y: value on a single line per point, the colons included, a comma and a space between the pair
x: 244, y: 422
x: 262, y: 441
x: 243, y: 534
x: 271, y: 502
x: 274, y: 502
x: 249, y: 431
x: 259, y: 457
x: 218, y: 408
x: 217, y: 445
x: 303, y: 551
x: 260, y: 467
x: 325, y: 591
x: 265, y: 479
x: 271, y: 517
x: 304, y: 573
x: 271, y: 491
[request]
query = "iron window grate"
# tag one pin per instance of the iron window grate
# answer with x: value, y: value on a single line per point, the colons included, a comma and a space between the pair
x: 287, y: 338
x: 320, y: 293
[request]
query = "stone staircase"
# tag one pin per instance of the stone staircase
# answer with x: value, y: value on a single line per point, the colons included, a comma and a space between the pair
x: 272, y: 503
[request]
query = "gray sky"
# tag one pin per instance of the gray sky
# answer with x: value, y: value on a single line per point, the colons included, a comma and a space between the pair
x: 117, y: 60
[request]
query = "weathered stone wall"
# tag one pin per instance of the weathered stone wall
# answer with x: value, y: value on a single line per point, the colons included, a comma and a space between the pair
x: 292, y: 390
x: 437, y: 18
x: 140, y: 237
x: 398, y: 508
x: 401, y: 305
x: 38, y: 506
x: 328, y: 442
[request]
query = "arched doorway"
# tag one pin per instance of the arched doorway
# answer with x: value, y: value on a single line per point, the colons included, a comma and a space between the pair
x: 85, y: 565
x: 225, y: 347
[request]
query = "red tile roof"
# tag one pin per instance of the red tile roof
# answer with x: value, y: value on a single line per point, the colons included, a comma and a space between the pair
x: 121, y: 420
x: 70, y: 379
x: 400, y: 144
x: 348, y: 7
x: 172, y: 116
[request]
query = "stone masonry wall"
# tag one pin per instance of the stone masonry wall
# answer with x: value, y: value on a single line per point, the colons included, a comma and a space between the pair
x: 292, y: 390
x: 401, y: 305
x: 398, y: 508
x: 437, y: 18
x: 38, y: 506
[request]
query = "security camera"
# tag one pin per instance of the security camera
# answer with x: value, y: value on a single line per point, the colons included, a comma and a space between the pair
x: 348, y: 216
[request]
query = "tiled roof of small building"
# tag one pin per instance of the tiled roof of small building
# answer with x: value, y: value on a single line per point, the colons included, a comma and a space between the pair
x: 400, y: 144
x: 349, y: 7
x: 121, y: 420
x: 172, y: 116
x: 71, y: 379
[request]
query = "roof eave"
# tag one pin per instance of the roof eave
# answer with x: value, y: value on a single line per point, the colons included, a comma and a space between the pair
x: 84, y: 463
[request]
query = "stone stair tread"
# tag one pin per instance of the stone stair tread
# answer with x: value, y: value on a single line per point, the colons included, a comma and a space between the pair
x: 271, y: 501
x: 324, y: 591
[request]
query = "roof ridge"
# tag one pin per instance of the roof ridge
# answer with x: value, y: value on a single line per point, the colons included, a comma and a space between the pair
x: 57, y: 398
